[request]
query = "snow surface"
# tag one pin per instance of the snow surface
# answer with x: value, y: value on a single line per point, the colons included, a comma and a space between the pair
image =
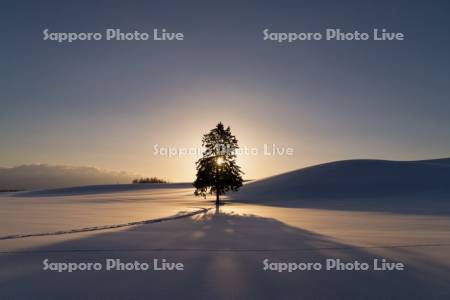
x: 353, y: 179
x: 352, y: 210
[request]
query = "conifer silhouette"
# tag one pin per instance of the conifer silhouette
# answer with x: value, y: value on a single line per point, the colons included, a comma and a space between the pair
x: 217, y: 171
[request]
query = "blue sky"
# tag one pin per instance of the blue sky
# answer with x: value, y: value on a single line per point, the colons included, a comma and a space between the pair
x: 106, y: 103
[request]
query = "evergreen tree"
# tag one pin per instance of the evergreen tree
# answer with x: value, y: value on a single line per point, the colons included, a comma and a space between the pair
x: 217, y: 171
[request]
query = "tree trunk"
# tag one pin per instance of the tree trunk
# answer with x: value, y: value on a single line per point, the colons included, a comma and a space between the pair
x: 217, y: 198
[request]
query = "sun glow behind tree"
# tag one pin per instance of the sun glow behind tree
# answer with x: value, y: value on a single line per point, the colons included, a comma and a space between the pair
x: 217, y: 171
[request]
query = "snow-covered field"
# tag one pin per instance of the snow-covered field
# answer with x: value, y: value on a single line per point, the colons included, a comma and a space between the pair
x: 74, y: 208
x: 292, y: 218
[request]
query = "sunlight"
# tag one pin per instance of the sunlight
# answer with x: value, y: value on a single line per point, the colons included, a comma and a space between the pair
x: 219, y: 161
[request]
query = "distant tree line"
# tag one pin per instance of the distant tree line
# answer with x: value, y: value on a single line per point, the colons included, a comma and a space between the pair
x: 149, y: 180
x: 9, y: 190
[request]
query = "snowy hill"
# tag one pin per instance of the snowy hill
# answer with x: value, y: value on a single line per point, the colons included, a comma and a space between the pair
x: 353, y: 179
x: 101, y: 189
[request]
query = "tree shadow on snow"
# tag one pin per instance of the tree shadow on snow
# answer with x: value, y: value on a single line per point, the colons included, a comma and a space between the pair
x: 223, y: 256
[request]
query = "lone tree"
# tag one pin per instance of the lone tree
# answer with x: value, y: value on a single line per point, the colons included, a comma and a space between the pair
x: 217, y: 171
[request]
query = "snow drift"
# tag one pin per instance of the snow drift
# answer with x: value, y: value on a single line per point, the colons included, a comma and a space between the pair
x: 353, y: 179
x: 101, y: 189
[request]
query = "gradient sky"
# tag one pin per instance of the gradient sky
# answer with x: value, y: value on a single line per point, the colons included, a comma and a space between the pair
x: 106, y: 103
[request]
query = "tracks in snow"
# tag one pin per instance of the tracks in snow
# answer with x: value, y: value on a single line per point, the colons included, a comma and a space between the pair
x: 114, y: 226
